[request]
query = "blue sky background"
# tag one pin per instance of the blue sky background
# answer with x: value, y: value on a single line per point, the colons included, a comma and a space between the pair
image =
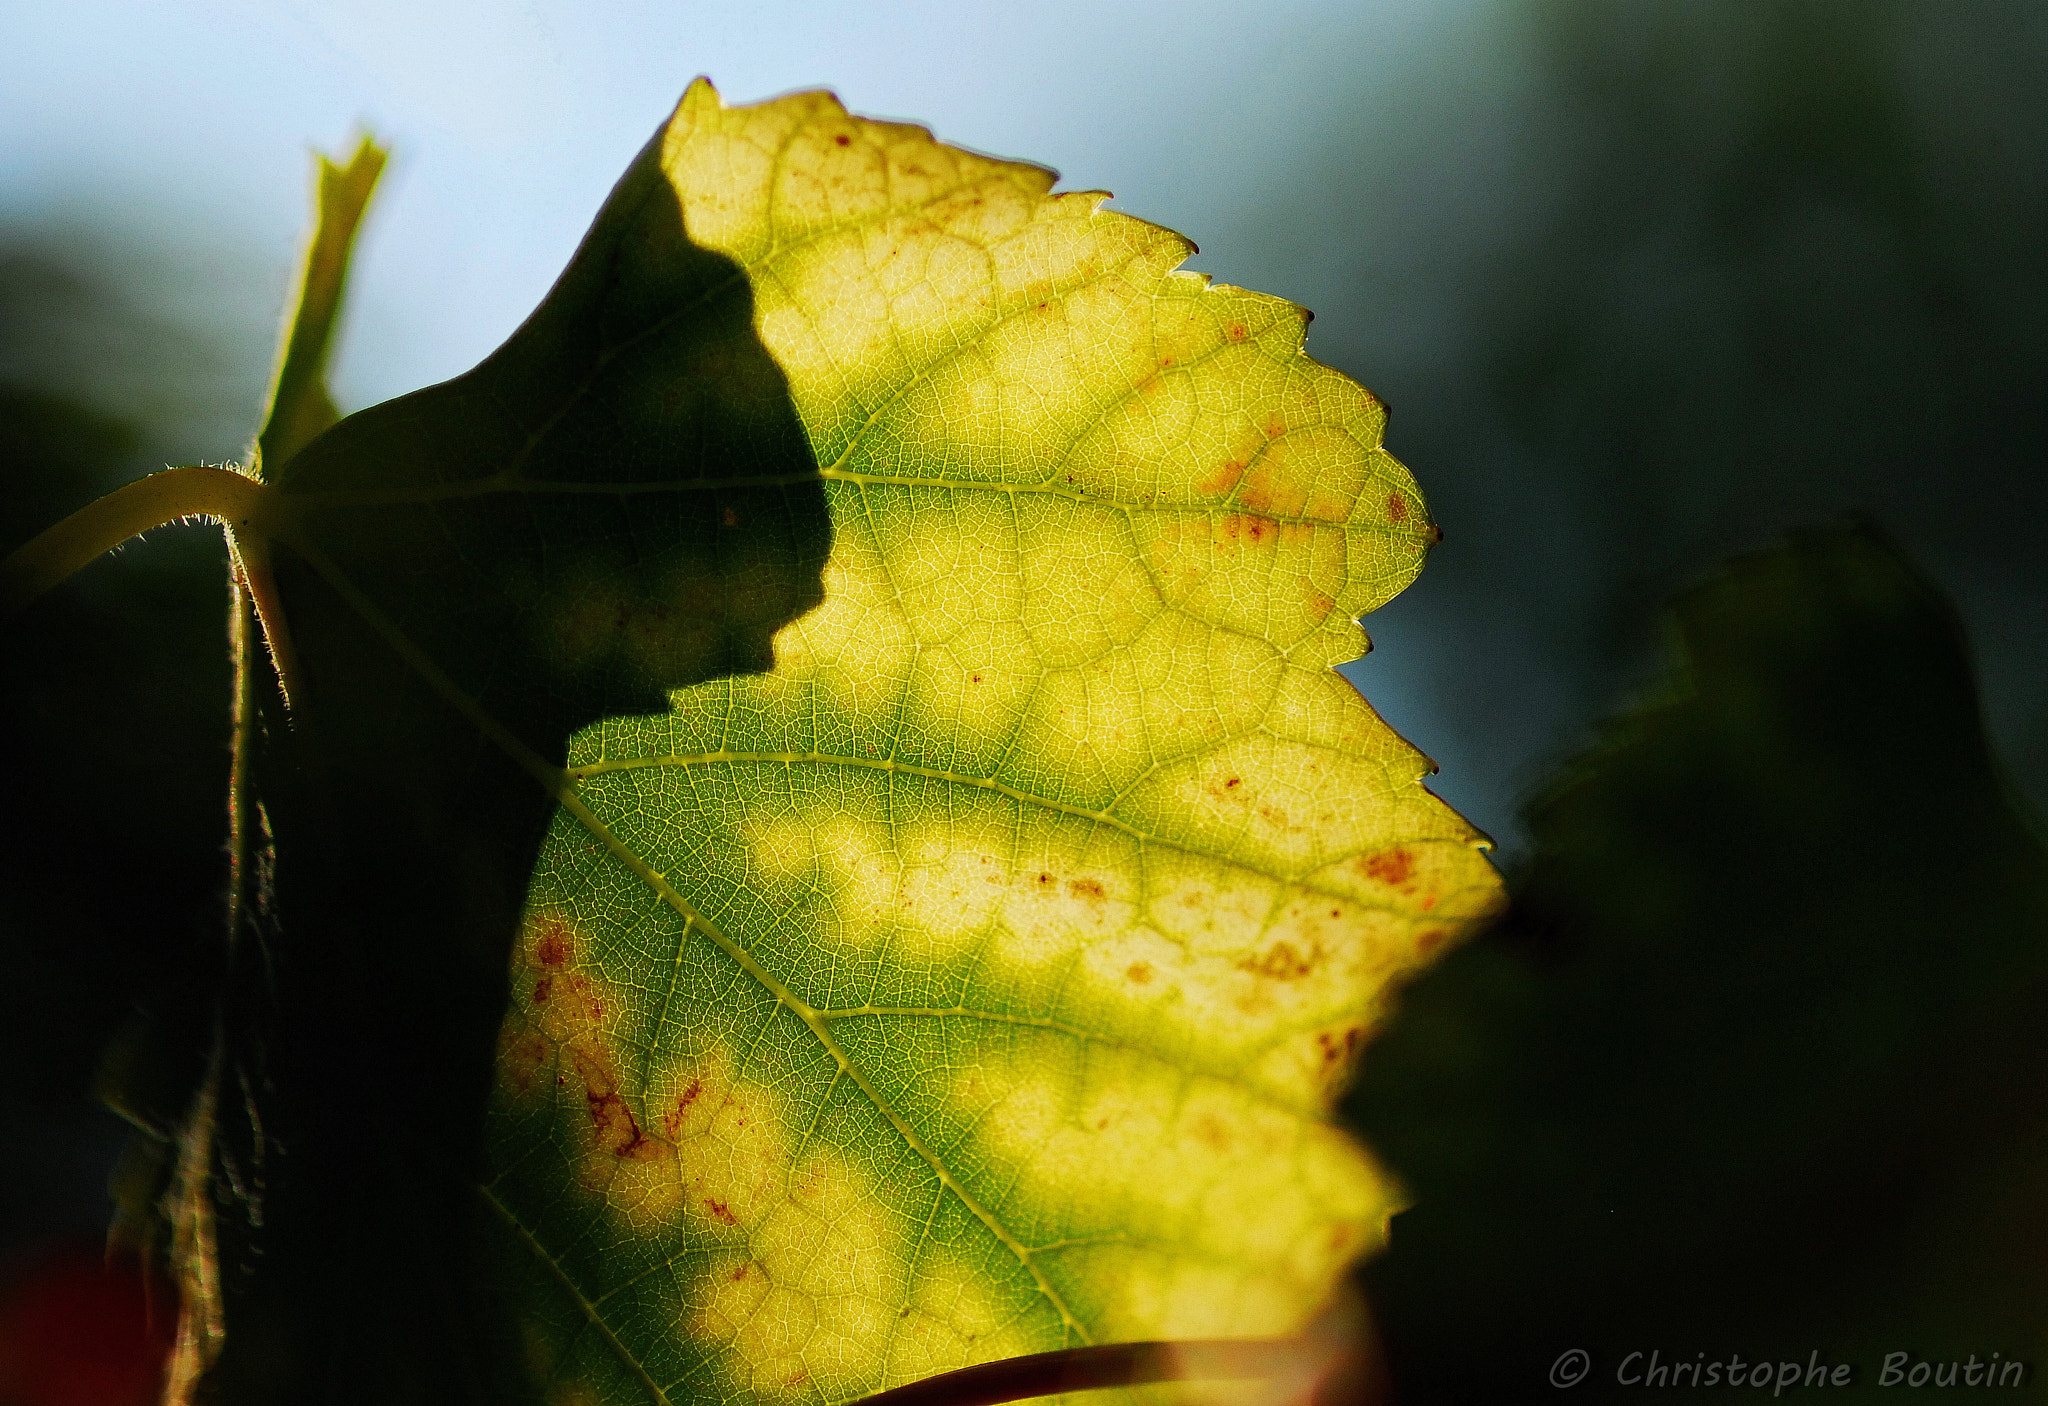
x: 174, y: 138
x: 511, y: 120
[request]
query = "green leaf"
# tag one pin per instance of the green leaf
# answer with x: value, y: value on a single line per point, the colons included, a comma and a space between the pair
x: 976, y: 980
x: 300, y: 407
x: 971, y: 881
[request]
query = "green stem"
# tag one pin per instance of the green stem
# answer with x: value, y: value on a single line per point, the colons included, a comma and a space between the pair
x: 245, y: 507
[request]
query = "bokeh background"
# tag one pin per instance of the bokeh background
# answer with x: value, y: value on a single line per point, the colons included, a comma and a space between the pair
x: 1647, y: 283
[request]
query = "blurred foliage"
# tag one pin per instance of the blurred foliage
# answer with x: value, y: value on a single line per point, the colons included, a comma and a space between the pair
x: 1662, y: 279
x: 110, y: 874
x: 1756, y: 1063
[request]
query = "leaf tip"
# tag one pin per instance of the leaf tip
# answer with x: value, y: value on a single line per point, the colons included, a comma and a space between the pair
x: 701, y: 94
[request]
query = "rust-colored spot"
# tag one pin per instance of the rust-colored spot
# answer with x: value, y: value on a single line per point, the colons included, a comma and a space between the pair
x: 1430, y: 941
x: 553, y: 948
x: 739, y: 1276
x: 614, y: 1122
x: 977, y: 678
x: 1282, y: 962
x: 1337, y: 1048
x: 1101, y: 1123
x: 843, y: 139
x: 1233, y: 783
x: 1090, y: 889
x: 721, y: 1211
x: 1212, y: 1133
x: 1235, y: 332
x: 1246, y: 527
x: 1139, y: 974
x: 1224, y: 479
x: 541, y: 990
x: 586, y: 996
x: 731, y: 518
x: 1045, y: 878
x: 1319, y: 604
x: 1397, y: 508
x: 1393, y: 867
x: 672, y: 1121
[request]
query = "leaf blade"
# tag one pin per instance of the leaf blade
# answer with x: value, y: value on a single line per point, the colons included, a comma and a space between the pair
x: 1204, y: 547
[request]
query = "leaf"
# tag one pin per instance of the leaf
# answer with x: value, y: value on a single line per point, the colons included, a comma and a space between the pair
x: 976, y: 980
x: 1755, y: 1062
x: 300, y: 407
x: 960, y: 960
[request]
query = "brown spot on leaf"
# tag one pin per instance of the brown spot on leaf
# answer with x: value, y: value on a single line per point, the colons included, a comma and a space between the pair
x: 1392, y: 867
x: 1235, y: 332
x: 542, y: 989
x: 1337, y: 1047
x: 553, y: 945
x: 672, y: 1121
x: 1090, y: 889
x: 730, y: 518
x: 614, y: 1123
x: 1397, y: 508
x: 1282, y: 962
x: 1139, y: 973
x: 1430, y: 941
x: 720, y: 1211
x: 1211, y: 1133
x: 1224, y: 479
x: 843, y: 139
x: 1236, y: 528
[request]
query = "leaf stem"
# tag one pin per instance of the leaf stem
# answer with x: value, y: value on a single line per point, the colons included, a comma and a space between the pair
x: 243, y: 505
x: 1094, y: 1368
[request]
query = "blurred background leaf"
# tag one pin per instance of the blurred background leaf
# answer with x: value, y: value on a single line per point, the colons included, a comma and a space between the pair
x: 1757, y: 1062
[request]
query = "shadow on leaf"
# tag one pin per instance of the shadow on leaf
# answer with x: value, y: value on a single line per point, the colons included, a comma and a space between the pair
x: 618, y: 503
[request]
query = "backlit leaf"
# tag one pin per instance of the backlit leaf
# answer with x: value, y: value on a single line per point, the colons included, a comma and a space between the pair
x: 977, y: 979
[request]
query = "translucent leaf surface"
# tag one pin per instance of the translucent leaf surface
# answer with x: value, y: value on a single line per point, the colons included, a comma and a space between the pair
x: 976, y: 980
